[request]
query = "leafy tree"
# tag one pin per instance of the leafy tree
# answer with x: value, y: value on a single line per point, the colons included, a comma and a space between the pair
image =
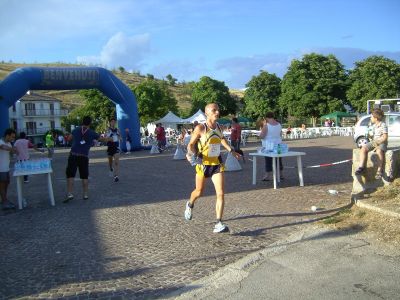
x: 121, y: 69
x: 313, y: 86
x: 75, y: 117
x: 171, y: 80
x: 262, y: 94
x: 96, y: 105
x: 99, y: 107
x: 376, y: 77
x: 154, y: 100
x: 208, y: 90
x: 150, y: 76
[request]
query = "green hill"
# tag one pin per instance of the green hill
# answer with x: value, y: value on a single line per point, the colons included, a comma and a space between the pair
x: 71, y: 98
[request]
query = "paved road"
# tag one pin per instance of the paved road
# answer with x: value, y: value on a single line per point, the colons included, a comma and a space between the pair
x: 317, y: 263
x: 130, y: 239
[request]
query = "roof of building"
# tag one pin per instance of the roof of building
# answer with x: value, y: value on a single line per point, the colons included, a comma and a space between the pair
x: 38, y: 97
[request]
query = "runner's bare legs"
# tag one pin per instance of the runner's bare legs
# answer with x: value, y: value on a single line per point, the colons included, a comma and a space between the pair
x: 218, y: 181
x: 198, y: 191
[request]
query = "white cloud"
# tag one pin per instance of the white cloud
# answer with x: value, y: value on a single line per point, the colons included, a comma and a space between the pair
x: 121, y: 50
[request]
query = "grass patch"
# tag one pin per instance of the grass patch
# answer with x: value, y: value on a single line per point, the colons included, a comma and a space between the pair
x: 338, y: 217
x: 391, y: 191
x: 332, y: 220
x: 360, y: 214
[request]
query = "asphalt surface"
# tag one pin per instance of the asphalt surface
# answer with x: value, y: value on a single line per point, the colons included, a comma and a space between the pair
x: 130, y: 240
x: 312, y: 264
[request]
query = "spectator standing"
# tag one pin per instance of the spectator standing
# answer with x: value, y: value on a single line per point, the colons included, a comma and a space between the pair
x: 82, y: 138
x: 128, y: 140
x: 60, y: 140
x: 236, y: 136
x: 161, y: 137
x: 6, y: 149
x: 288, y: 130
x: 271, y: 132
x: 50, y: 143
x: 113, y: 149
x: 22, y: 145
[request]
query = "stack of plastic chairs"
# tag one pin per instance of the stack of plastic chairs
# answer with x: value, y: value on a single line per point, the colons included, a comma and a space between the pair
x: 179, y: 153
x: 154, y: 149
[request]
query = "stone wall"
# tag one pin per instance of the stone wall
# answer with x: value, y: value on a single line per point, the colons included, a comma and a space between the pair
x: 367, y: 182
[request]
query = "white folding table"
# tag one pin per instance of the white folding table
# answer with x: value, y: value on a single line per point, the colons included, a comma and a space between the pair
x: 20, y: 175
x: 275, y: 167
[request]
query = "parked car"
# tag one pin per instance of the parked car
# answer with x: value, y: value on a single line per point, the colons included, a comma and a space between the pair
x: 392, y: 120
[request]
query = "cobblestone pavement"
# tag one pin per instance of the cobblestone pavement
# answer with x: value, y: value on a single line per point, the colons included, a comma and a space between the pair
x: 130, y: 240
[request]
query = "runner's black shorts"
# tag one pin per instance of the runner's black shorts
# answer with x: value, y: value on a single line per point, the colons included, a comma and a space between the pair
x: 208, y: 171
x: 77, y: 162
x: 4, y: 176
x: 113, y: 148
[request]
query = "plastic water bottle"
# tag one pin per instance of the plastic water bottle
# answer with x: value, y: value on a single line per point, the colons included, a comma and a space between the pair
x: 279, y: 149
x: 193, y: 160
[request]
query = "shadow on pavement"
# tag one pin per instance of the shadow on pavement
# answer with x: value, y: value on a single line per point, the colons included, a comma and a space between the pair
x: 130, y: 238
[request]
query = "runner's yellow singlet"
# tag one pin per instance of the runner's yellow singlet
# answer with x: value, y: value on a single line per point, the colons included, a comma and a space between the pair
x: 209, y: 146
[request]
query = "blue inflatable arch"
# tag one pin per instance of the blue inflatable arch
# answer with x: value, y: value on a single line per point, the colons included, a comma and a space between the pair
x: 17, y: 83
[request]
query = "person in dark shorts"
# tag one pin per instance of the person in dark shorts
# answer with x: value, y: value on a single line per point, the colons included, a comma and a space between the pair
x: 206, y: 140
x: 113, y: 149
x: 82, y: 138
x: 5, y: 149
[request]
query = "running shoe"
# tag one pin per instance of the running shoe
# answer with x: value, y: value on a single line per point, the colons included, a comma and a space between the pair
x: 379, y: 175
x: 85, y: 197
x: 69, y: 198
x: 116, y: 179
x: 188, y: 212
x: 220, y: 227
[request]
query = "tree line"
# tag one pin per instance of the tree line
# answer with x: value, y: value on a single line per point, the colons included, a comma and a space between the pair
x: 313, y: 86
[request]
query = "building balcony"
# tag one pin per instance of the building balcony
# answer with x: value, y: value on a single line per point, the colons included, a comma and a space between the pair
x: 38, y: 131
x: 45, y: 112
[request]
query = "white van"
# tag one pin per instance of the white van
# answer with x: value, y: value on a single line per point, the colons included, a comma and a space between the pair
x: 392, y: 120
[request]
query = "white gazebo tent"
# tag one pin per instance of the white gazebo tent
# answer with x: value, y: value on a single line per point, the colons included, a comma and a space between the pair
x: 199, y: 116
x: 170, y: 120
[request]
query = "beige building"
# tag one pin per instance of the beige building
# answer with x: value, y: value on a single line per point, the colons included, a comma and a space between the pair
x: 35, y: 114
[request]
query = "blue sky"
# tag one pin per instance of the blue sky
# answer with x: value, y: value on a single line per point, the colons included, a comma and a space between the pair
x: 228, y: 40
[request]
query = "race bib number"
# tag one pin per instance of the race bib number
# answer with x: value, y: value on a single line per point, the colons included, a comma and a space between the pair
x: 214, y: 150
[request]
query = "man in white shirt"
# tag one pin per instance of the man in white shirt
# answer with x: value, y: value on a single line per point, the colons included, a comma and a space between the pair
x: 5, y: 150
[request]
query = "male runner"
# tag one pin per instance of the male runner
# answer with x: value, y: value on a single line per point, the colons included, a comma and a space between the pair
x: 207, y: 138
x: 113, y: 149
